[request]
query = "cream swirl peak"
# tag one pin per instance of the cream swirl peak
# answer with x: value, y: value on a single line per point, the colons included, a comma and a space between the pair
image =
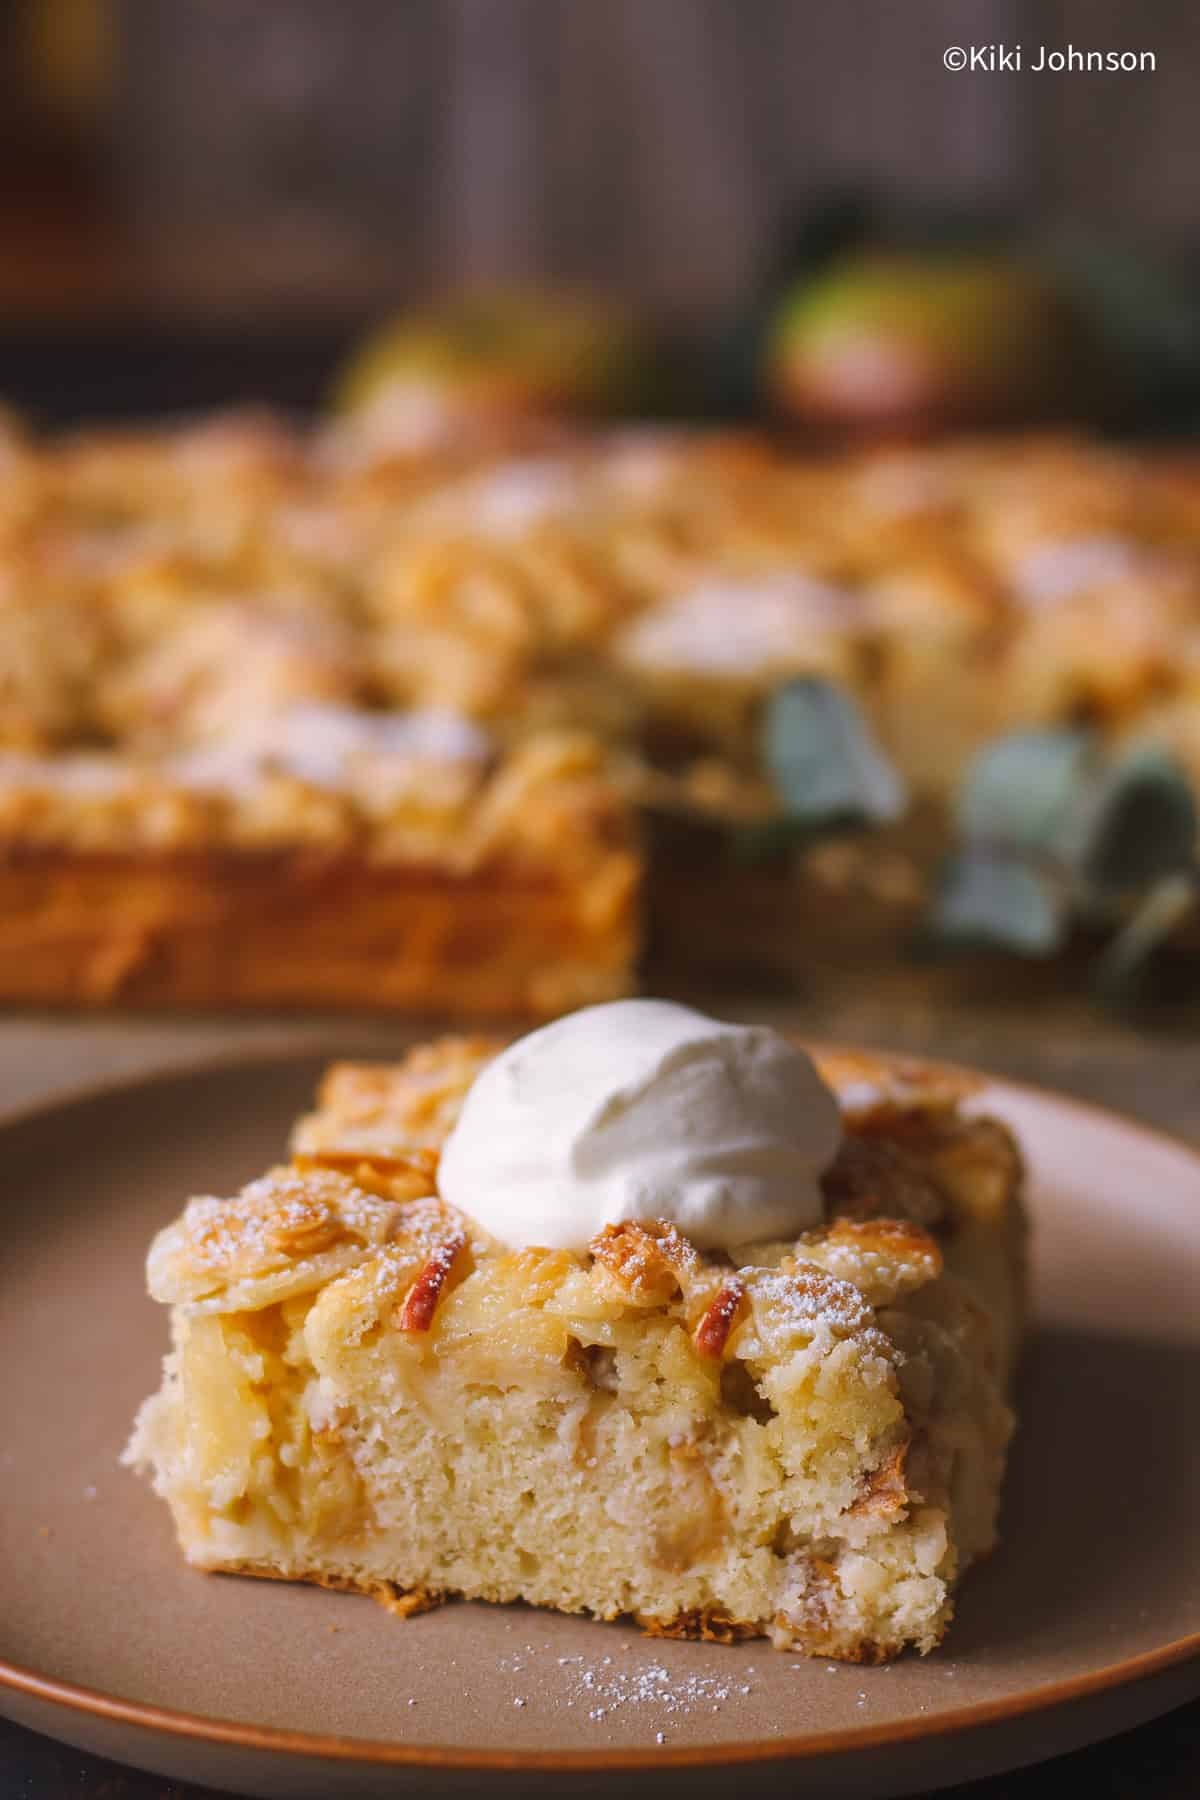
x: 643, y: 1110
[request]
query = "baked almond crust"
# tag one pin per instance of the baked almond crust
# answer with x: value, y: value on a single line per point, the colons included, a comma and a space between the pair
x: 801, y: 1440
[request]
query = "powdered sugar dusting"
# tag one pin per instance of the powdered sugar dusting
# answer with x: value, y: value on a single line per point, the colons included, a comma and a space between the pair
x: 805, y: 1298
x: 740, y: 628
x: 79, y: 774
x: 513, y: 498
x: 1063, y: 570
x: 315, y: 743
x: 287, y: 1227
x: 312, y: 743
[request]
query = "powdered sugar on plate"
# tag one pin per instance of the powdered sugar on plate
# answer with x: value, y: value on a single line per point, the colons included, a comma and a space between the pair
x: 598, y: 1687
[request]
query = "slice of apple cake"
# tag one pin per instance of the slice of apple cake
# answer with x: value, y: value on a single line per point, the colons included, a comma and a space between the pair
x: 801, y: 1437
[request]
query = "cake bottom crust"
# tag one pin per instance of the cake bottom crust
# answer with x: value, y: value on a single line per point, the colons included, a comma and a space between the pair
x: 708, y: 1624
x: 402, y: 1603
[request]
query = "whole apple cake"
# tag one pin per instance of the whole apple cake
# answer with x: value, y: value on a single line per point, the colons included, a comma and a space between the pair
x: 348, y: 715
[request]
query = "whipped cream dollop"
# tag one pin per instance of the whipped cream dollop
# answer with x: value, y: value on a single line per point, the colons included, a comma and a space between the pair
x: 643, y: 1110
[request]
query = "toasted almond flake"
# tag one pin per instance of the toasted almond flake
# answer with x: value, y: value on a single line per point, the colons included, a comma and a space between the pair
x: 712, y: 1333
x: 421, y: 1301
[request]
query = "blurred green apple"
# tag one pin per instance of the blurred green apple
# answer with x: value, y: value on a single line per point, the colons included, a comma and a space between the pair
x: 505, y: 356
x: 908, y: 344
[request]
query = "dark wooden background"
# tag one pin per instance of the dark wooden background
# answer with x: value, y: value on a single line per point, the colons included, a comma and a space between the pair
x: 320, y: 152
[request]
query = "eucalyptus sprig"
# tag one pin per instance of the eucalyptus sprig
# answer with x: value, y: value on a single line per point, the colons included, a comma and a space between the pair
x: 826, y: 768
x: 1054, y: 829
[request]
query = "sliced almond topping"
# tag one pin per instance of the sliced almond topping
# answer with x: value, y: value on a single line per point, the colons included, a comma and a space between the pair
x: 650, y: 1264
x: 394, y: 1107
x: 879, y: 1092
x: 287, y: 1233
x: 305, y: 1230
x: 884, y: 1258
x: 886, y: 1237
x: 346, y: 1161
x: 400, y: 1177
x: 421, y: 1301
x: 717, y: 1321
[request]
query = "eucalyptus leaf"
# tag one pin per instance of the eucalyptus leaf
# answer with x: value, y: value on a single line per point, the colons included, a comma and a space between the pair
x: 1022, y: 792
x: 992, y: 901
x: 823, y: 760
x: 1141, y: 827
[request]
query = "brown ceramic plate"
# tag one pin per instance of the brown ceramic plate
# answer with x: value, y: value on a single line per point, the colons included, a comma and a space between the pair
x: 1087, y: 1620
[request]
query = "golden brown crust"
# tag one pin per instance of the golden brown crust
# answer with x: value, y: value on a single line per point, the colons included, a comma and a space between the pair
x: 865, y: 1653
x: 897, y: 1238
x: 875, y: 1092
x: 275, y: 930
x: 390, y: 1111
x: 884, y: 1257
x: 518, y: 892
x: 401, y: 1603
x: 399, y: 1177
x: 646, y: 1264
x: 707, y: 1624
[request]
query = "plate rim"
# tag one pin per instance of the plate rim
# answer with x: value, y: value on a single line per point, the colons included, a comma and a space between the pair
x: 276, y: 1740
